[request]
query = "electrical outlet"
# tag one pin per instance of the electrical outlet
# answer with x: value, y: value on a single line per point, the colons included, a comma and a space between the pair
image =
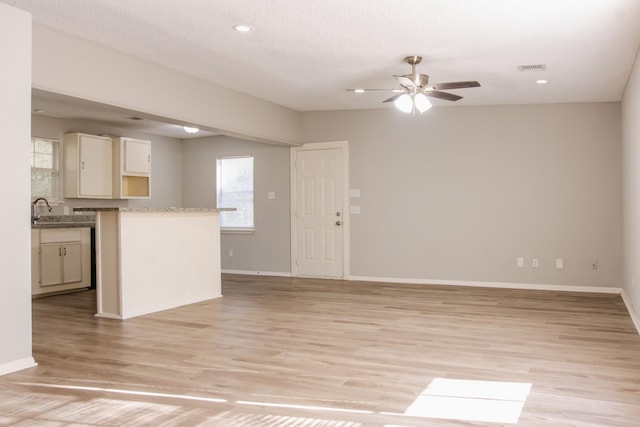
x: 520, y: 262
x: 230, y: 252
x: 559, y: 263
x: 594, y: 265
x: 535, y: 263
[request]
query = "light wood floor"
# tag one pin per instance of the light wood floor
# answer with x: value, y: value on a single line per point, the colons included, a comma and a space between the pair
x: 302, y: 352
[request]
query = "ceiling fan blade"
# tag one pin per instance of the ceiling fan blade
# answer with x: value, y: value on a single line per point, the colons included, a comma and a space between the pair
x: 393, y: 98
x: 455, y: 85
x: 405, y: 81
x: 442, y: 95
x: 370, y: 90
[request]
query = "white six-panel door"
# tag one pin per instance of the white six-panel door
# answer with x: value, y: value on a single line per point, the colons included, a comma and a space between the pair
x: 319, y: 220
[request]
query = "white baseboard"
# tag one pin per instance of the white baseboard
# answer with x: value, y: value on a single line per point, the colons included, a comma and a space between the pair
x: 108, y: 316
x: 17, y: 365
x: 529, y: 286
x: 258, y: 273
x: 632, y: 313
x: 504, y: 285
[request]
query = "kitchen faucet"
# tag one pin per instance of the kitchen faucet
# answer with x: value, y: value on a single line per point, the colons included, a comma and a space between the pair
x: 35, y: 215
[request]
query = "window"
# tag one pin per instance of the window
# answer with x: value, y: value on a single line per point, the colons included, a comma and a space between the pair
x: 235, y: 190
x: 44, y: 168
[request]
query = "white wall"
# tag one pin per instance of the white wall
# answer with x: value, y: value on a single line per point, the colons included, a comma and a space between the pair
x: 75, y: 67
x: 631, y: 152
x: 166, y: 162
x: 459, y: 193
x: 15, y: 252
x: 268, y: 248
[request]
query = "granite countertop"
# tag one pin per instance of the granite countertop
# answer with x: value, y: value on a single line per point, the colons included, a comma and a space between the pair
x: 126, y: 209
x: 65, y: 221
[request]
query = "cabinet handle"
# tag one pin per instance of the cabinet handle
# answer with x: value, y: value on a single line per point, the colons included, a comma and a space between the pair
x: 65, y: 251
x: 82, y: 165
x: 59, y: 251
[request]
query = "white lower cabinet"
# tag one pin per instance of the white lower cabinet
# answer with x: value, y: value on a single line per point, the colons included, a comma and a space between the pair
x: 60, y: 263
x: 62, y: 260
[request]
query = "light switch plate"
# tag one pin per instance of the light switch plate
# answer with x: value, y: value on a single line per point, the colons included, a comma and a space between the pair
x: 354, y: 210
x: 354, y: 192
x: 271, y: 195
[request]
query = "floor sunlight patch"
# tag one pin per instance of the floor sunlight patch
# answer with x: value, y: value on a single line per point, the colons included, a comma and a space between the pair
x: 468, y: 400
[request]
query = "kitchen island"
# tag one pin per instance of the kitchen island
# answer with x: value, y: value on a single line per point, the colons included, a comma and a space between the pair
x: 150, y: 259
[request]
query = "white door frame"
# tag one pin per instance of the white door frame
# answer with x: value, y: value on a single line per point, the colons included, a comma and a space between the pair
x: 346, y: 222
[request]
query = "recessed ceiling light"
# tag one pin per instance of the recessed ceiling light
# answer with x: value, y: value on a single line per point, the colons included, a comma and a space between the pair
x: 358, y: 90
x: 242, y: 28
x: 542, y: 81
x: 189, y: 129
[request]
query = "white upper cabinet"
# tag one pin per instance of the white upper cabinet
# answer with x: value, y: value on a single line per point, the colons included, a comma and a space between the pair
x: 131, y: 168
x: 137, y: 156
x: 87, y: 166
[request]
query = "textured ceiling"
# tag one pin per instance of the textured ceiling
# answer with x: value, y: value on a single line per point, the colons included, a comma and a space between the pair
x: 303, y: 54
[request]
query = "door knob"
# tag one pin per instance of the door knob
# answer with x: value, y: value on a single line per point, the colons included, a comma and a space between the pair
x: 338, y: 223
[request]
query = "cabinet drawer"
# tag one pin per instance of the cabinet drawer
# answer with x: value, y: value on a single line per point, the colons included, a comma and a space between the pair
x: 61, y: 235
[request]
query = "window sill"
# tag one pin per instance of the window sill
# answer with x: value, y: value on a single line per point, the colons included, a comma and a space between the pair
x: 237, y: 230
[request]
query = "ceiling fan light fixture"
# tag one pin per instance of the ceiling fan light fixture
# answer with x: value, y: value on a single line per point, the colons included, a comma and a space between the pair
x: 404, y: 103
x: 415, y: 90
x: 422, y: 102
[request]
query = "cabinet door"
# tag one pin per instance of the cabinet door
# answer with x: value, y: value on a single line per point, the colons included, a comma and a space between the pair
x: 72, y: 262
x: 95, y: 167
x: 50, y: 264
x: 137, y: 156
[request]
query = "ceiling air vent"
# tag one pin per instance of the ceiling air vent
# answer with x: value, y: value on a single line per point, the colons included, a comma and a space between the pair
x: 533, y: 67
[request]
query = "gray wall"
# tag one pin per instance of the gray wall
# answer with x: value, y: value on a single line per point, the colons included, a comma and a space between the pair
x: 268, y: 248
x: 631, y: 137
x: 166, y: 163
x: 455, y: 195
x: 459, y: 193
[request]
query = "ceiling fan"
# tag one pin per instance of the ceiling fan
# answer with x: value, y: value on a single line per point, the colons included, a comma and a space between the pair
x: 416, y: 89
